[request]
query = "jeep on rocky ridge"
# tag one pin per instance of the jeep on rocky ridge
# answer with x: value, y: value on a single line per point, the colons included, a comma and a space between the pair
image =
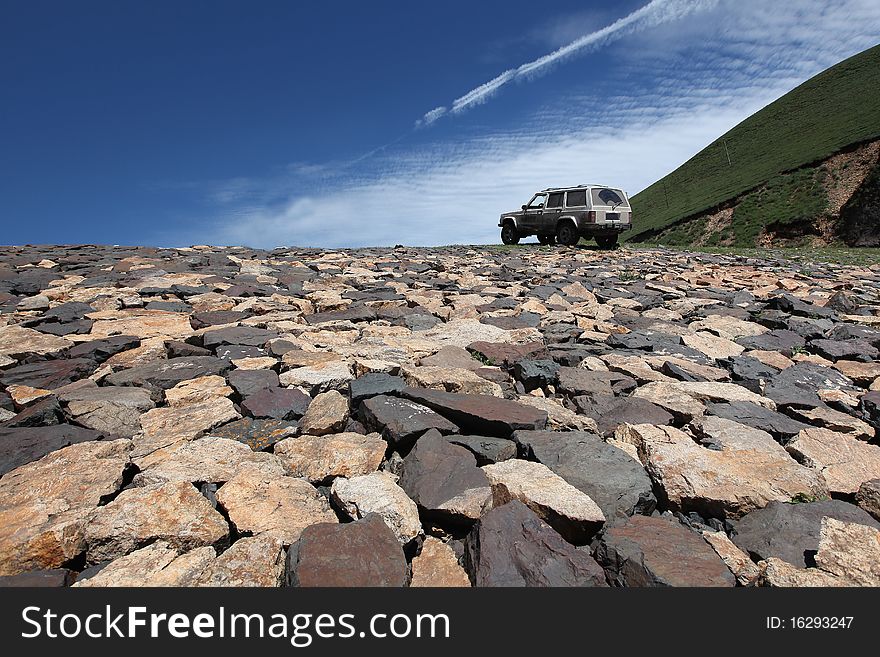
x: 565, y: 214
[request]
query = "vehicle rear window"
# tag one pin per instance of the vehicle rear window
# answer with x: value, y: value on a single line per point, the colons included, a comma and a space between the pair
x: 555, y: 200
x: 576, y: 199
x: 607, y: 197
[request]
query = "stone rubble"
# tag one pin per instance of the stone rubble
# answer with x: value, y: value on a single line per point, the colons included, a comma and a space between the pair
x: 451, y: 416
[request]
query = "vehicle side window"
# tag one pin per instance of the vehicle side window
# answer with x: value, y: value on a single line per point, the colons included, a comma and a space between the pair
x: 576, y: 199
x: 538, y: 201
x: 607, y: 197
x: 555, y: 200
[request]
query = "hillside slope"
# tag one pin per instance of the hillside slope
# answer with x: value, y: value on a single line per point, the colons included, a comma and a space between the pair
x: 775, y: 148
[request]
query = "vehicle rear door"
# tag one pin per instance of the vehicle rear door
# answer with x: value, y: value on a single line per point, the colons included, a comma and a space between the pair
x: 610, y: 206
x: 552, y: 212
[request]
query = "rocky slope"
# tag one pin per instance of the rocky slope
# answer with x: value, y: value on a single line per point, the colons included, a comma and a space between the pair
x: 436, y: 417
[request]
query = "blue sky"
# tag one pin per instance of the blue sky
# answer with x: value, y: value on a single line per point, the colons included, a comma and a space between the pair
x: 351, y: 123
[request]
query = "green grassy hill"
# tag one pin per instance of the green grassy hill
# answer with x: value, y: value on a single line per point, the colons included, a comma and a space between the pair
x: 837, y: 108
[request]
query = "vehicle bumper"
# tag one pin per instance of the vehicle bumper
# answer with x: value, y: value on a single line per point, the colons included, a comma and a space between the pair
x: 593, y: 229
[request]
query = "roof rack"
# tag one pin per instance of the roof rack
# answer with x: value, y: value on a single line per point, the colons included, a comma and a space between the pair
x: 555, y: 189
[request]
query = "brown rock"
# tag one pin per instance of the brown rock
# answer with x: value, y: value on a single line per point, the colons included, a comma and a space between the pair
x: 278, y: 505
x: 45, y: 505
x: 174, y: 512
x: 644, y: 551
x: 361, y: 553
x: 327, y: 413
x: 337, y: 455
x: 749, y: 470
x: 845, y: 462
x: 437, y: 566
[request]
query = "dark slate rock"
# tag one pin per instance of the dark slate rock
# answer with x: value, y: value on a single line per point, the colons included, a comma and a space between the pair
x: 512, y: 322
x: 77, y: 327
x: 869, y: 405
x: 278, y: 348
x: 486, y: 449
x: 578, y: 381
x: 639, y: 340
x: 25, y: 444
x: 53, y: 578
x: 169, y: 306
x: 257, y: 434
x: 67, y: 312
x: 511, y: 546
x: 843, y: 302
x: 277, y: 403
x: 535, y: 373
x: 361, y: 553
x: 781, y: 340
x: 214, y: 317
x: 42, y: 413
x: 810, y: 328
x: 48, y: 374
x: 794, y: 306
x: 749, y: 372
x: 611, y: 477
x: 163, y: 374
x: 797, y: 385
x: 757, y: 417
x: 843, y: 331
x: 249, y: 382
x: 418, y: 321
x: 502, y: 353
x: 646, y: 551
x: 373, y: 384
x: 235, y: 352
x: 436, y: 472
x: 791, y: 531
x: 773, y: 319
x: 401, y: 421
x: 101, y: 350
x: 483, y: 415
x: 237, y: 335
x: 671, y: 369
x: 178, y: 349
x: 571, y: 355
x: 631, y: 410
x: 856, y: 348
x: 350, y: 314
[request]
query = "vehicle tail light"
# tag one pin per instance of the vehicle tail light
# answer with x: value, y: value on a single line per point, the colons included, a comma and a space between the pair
x: 591, y: 216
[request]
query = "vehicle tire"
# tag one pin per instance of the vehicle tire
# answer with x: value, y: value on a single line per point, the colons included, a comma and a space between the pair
x: 509, y: 234
x: 547, y: 240
x: 567, y: 234
x: 606, y: 241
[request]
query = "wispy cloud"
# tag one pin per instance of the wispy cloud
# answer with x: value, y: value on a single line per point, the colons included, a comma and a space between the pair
x: 652, y: 14
x: 686, y: 83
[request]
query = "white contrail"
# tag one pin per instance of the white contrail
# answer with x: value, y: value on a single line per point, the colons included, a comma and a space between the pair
x: 654, y: 13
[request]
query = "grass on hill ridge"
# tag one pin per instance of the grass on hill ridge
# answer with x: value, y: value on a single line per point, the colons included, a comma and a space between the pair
x: 836, y: 108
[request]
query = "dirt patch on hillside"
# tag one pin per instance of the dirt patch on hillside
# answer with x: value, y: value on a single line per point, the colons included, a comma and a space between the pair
x: 715, y: 225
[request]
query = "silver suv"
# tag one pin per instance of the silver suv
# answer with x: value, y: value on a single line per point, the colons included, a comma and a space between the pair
x: 565, y: 214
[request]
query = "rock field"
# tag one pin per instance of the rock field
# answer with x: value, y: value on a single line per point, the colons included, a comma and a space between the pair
x: 457, y: 416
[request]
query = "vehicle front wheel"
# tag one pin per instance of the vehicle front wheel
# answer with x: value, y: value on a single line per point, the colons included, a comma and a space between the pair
x: 567, y: 234
x: 546, y: 239
x: 606, y: 241
x: 509, y: 234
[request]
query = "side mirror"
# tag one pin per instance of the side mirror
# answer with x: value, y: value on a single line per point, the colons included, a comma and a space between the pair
x: 524, y: 207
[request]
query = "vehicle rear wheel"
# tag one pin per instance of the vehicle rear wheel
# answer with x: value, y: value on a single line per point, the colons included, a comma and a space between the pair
x: 547, y: 239
x: 567, y: 234
x: 509, y: 234
x: 606, y: 241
